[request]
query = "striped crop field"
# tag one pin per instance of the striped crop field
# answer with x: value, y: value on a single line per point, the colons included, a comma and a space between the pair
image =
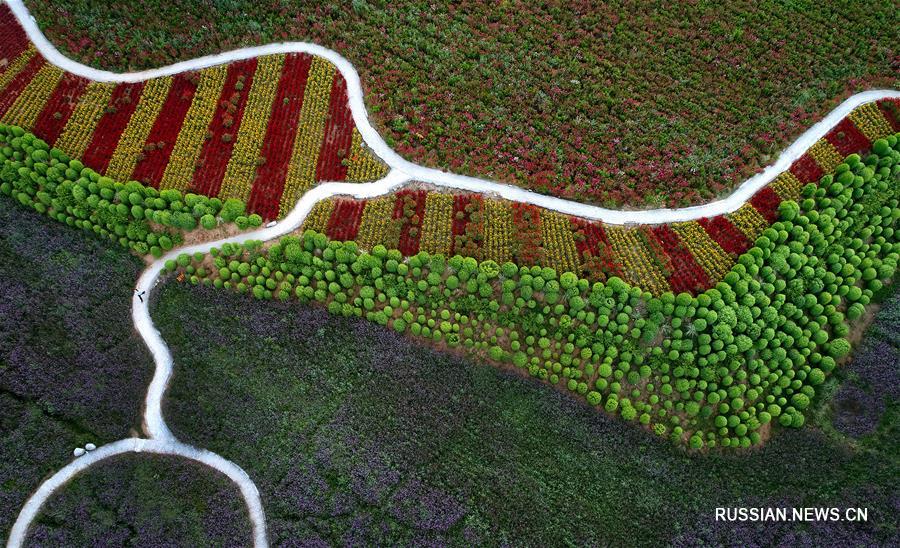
x: 685, y: 257
x: 261, y: 130
x: 266, y: 130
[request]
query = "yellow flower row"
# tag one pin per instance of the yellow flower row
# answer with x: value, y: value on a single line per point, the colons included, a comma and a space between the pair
x: 871, y: 122
x: 241, y: 170
x: 26, y: 108
x: 131, y: 143
x: 749, y: 221
x: 787, y: 186
x: 635, y: 260
x: 706, y: 251
x: 317, y: 219
x: 497, y: 231
x: 437, y: 226
x: 559, y: 241
x: 180, y: 169
x: 825, y: 155
x: 362, y: 164
x: 76, y: 136
x: 376, y: 218
x: 301, y: 173
x: 15, y: 67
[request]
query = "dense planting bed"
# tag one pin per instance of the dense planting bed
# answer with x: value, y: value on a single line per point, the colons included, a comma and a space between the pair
x: 711, y: 369
x: 689, y: 257
x: 72, y: 370
x: 618, y: 103
x: 680, y: 257
x: 262, y: 130
x: 144, y: 500
x: 138, y: 217
x: 355, y: 435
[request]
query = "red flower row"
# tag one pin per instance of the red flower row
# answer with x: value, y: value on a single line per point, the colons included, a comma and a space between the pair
x: 409, y: 210
x: 161, y: 140
x: 725, y: 234
x: 766, y: 201
x: 18, y: 83
x: 344, y: 222
x: 13, y: 39
x: 468, y: 224
x: 847, y: 138
x: 222, y: 132
x: 527, y: 248
x: 279, y: 141
x: 890, y: 108
x: 338, y: 134
x: 686, y: 275
x: 806, y: 169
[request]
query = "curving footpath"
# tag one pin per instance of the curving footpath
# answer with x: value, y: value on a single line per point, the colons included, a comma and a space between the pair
x: 154, y: 423
x: 440, y: 178
x: 162, y: 441
x: 138, y: 445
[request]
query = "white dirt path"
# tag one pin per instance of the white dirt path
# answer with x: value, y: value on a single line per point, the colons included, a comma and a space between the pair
x: 402, y: 171
x: 450, y: 180
x: 137, y: 445
x: 162, y: 440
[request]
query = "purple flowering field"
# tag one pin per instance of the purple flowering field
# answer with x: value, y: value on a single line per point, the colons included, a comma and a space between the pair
x: 72, y: 370
x: 144, y: 500
x: 873, y: 377
x: 356, y: 436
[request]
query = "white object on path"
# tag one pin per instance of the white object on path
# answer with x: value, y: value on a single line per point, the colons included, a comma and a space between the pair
x: 78, y: 452
x: 271, y: 224
x: 450, y: 180
x: 136, y: 445
x: 90, y: 446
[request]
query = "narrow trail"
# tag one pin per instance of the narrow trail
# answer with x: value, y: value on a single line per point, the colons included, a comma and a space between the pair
x: 451, y: 180
x: 137, y: 445
x: 162, y: 441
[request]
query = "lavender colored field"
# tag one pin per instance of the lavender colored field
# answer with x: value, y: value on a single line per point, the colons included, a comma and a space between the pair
x: 72, y: 370
x: 144, y: 500
x: 873, y: 377
x: 355, y: 435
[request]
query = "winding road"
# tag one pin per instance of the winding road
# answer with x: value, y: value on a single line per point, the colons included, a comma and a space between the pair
x: 161, y: 440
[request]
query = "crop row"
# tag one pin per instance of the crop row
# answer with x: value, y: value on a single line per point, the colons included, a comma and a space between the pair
x: 138, y: 217
x: 684, y: 256
x: 262, y: 131
x: 688, y: 256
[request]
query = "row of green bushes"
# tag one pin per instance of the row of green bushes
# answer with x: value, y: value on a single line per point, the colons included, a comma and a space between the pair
x: 137, y: 216
x: 709, y: 370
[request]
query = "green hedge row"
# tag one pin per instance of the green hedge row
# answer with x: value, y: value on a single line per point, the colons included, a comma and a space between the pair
x: 137, y: 216
x: 707, y: 371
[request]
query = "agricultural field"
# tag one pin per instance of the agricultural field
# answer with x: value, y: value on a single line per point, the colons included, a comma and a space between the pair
x: 69, y: 375
x: 261, y: 131
x: 356, y: 436
x: 284, y: 294
x: 624, y: 103
x: 145, y: 501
